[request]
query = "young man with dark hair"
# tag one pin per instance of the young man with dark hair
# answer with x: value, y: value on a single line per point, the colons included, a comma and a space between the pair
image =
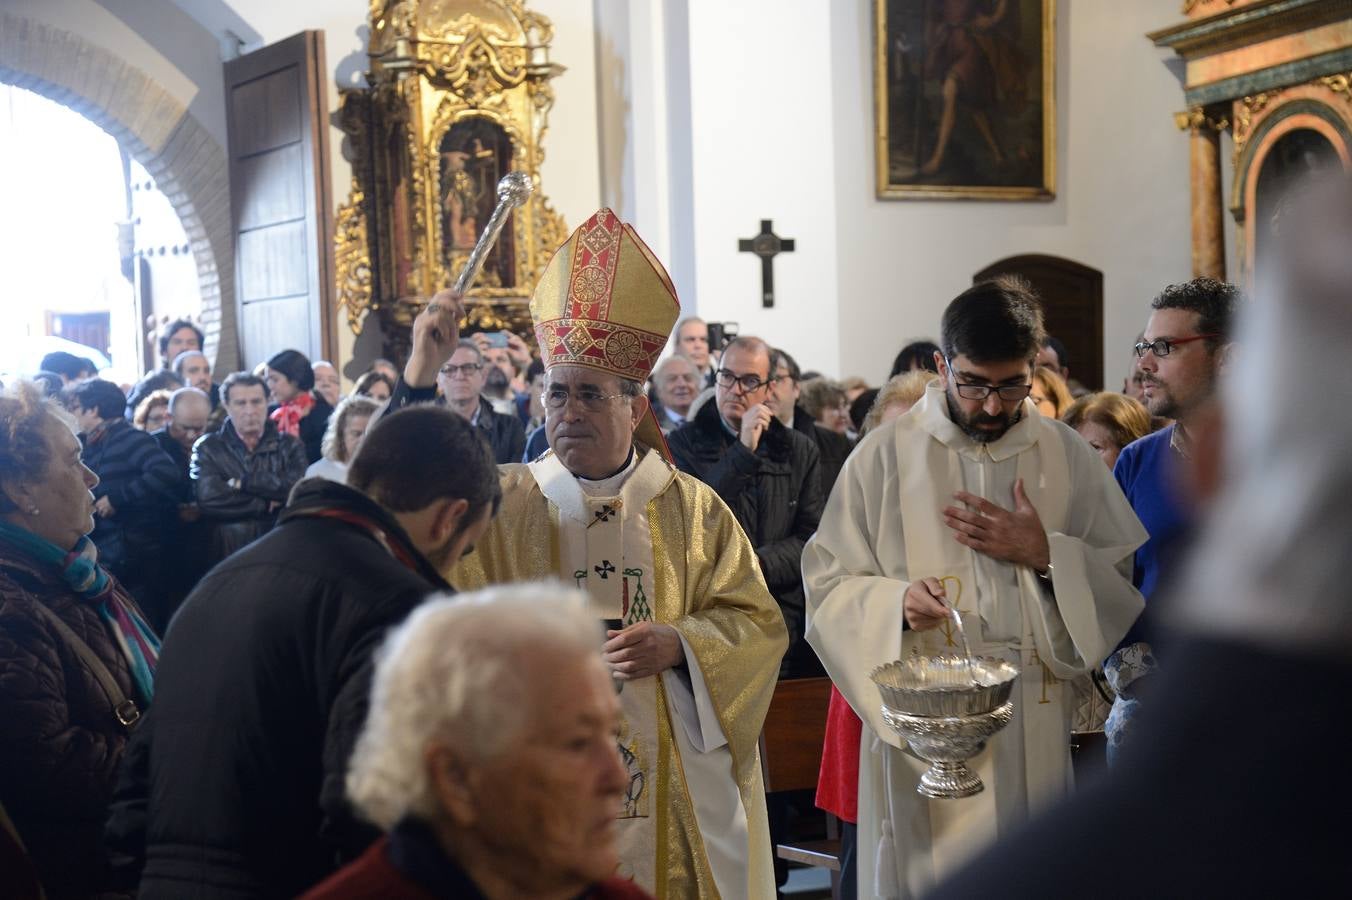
x: 785, y: 389
x: 264, y: 677
x: 137, y: 483
x: 70, y: 367
x: 177, y: 337
x: 1181, y: 354
x: 972, y: 501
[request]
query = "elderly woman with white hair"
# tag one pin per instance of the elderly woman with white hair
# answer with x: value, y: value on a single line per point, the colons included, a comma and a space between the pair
x: 489, y: 755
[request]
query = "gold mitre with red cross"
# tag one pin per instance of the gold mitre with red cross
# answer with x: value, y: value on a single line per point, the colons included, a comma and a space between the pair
x: 606, y: 303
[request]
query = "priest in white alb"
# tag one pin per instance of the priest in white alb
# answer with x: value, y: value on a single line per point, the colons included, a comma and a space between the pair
x: 694, y: 637
x: 976, y: 500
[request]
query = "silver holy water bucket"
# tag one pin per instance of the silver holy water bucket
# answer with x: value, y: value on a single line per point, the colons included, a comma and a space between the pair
x: 946, y: 708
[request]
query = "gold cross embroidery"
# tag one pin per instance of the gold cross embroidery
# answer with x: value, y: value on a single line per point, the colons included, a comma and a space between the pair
x: 1047, y: 677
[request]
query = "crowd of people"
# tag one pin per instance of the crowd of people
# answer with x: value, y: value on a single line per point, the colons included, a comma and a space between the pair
x: 233, y: 662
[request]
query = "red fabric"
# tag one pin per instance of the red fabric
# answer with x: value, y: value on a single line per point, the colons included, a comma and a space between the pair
x: 372, y: 876
x: 838, y: 783
x: 287, y: 416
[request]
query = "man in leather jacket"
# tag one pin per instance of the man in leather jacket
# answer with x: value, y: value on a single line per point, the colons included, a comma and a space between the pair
x: 243, y: 473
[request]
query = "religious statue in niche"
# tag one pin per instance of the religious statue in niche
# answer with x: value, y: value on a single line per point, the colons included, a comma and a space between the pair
x: 474, y: 153
x: 964, y: 94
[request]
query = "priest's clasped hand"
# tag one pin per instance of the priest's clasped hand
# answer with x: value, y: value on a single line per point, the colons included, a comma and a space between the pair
x: 923, y: 605
x: 642, y: 649
x: 1013, y: 536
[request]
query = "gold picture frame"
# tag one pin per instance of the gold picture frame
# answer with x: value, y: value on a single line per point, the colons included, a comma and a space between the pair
x: 965, y: 99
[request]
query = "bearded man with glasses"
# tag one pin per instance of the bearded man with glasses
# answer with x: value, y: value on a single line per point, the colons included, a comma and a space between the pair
x: 971, y: 500
x: 1183, y: 351
x: 693, y: 637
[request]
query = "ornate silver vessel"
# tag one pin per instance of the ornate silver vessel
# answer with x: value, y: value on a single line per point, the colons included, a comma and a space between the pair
x: 946, y: 708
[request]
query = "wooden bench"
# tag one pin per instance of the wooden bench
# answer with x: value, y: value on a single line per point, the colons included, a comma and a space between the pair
x: 791, y: 760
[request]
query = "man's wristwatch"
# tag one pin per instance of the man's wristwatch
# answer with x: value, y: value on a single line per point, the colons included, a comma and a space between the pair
x: 1045, y: 576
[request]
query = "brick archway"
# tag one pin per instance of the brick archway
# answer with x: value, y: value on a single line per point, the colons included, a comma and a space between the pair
x: 187, y: 163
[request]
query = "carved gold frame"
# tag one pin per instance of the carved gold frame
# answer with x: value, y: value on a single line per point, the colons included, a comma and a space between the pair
x: 435, y: 63
x: 888, y: 190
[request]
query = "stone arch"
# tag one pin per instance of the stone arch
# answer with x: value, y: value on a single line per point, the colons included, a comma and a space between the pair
x: 187, y: 163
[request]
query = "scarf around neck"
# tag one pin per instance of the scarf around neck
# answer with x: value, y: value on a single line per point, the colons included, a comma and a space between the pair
x: 287, y: 416
x: 80, y: 570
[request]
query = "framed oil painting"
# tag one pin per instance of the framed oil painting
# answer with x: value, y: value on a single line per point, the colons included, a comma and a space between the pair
x: 965, y: 100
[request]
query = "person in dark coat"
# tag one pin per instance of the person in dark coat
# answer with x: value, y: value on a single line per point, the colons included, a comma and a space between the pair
x: 137, y: 483
x: 264, y: 682
x: 477, y: 802
x: 833, y: 446
x: 243, y: 473
x: 63, y: 733
x: 297, y: 410
x: 766, y: 473
x: 462, y: 381
x: 184, y: 536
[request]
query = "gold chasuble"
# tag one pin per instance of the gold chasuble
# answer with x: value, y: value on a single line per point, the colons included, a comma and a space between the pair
x: 651, y: 544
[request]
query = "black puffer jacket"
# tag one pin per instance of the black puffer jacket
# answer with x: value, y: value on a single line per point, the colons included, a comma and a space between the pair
x: 833, y: 447
x: 141, y: 483
x: 261, y: 691
x: 59, y: 743
x: 265, y: 476
x: 776, y: 496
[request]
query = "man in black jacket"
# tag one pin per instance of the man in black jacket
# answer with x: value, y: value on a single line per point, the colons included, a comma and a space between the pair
x: 184, y: 534
x: 461, y: 381
x: 136, y: 485
x: 766, y: 473
x: 833, y: 446
x: 264, y: 676
x: 243, y: 473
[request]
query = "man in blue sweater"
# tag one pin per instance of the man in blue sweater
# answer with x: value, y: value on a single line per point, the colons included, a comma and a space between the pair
x: 1184, y: 349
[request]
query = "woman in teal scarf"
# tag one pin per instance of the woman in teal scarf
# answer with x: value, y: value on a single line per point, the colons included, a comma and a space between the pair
x: 77, y: 660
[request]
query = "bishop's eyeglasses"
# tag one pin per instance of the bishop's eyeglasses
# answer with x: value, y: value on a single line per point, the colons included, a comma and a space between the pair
x: 1165, y: 346
x: 591, y: 401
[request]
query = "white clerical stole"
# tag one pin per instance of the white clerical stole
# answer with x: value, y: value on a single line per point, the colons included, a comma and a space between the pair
x: 606, y: 545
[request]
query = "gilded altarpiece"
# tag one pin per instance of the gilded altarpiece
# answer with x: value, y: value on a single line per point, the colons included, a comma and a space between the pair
x: 459, y: 95
x: 1277, y: 76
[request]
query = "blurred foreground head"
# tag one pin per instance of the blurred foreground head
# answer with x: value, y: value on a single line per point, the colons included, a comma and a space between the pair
x: 1270, y: 568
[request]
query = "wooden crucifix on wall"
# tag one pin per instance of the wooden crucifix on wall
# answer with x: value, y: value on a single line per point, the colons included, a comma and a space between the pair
x: 767, y: 245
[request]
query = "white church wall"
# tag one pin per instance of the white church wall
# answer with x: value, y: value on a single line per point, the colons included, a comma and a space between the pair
x: 760, y: 101
x: 1122, y: 202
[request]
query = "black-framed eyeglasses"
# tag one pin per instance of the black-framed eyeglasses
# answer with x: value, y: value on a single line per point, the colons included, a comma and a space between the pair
x: 1009, y: 393
x: 467, y: 369
x: 591, y: 401
x: 745, y: 384
x: 1165, y: 346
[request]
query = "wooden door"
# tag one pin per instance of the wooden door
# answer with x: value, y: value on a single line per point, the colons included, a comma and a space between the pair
x: 277, y: 112
x: 1072, y: 307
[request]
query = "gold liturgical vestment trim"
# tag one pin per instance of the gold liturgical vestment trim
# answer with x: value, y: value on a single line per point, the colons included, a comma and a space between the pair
x: 708, y: 586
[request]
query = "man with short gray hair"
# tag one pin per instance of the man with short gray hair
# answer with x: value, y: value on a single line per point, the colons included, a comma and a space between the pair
x: 676, y: 382
x: 489, y: 754
x: 461, y: 382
